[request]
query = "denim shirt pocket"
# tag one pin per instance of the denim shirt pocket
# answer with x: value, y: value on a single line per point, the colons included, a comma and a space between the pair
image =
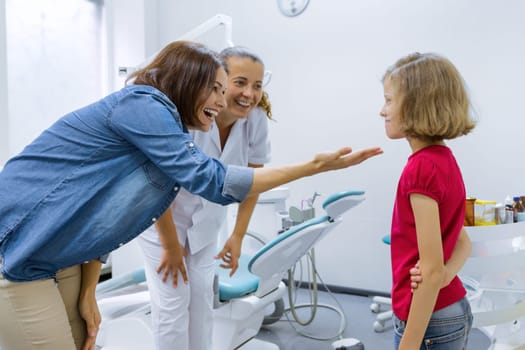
x: 155, y: 176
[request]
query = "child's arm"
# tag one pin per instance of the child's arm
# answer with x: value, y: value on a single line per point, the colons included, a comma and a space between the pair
x: 459, y: 256
x: 461, y: 252
x: 426, y: 215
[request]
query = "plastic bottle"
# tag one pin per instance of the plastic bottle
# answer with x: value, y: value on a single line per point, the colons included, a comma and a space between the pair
x: 499, y: 210
x: 469, y: 211
x: 519, y: 210
x: 509, y: 211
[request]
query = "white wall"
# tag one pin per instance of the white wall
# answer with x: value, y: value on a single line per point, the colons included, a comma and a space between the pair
x: 132, y: 35
x: 326, y: 93
x: 53, y: 60
x: 4, y: 120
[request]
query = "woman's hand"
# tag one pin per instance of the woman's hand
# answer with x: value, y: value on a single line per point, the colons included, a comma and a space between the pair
x: 88, y: 308
x: 343, y: 158
x: 268, y: 178
x: 171, y: 262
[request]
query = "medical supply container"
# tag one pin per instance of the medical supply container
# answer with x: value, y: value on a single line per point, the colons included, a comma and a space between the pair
x: 484, y: 212
x: 469, y: 212
x: 519, y: 210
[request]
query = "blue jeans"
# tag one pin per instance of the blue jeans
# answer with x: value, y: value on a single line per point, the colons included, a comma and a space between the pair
x: 448, y: 328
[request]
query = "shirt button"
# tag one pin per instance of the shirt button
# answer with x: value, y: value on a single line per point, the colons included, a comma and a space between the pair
x: 121, y: 244
x: 153, y: 219
x: 176, y: 188
x: 191, y: 144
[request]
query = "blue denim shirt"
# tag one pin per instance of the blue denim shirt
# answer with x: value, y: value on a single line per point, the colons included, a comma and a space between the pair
x: 99, y: 177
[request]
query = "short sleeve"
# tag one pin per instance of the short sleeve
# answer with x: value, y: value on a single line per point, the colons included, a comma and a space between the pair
x: 423, y: 176
x: 259, y: 142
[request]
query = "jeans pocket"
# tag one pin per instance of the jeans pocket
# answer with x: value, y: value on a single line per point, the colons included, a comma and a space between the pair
x: 446, y: 338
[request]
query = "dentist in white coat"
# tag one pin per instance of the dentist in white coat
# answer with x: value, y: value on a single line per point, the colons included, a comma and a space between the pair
x: 181, y: 248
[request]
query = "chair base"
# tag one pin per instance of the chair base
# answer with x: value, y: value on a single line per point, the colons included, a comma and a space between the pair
x: 127, y: 324
x: 257, y: 344
x: 382, y: 316
x: 348, y: 344
x: 238, y: 321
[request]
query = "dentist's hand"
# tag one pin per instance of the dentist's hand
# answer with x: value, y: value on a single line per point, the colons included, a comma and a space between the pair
x: 171, y: 262
x: 230, y: 254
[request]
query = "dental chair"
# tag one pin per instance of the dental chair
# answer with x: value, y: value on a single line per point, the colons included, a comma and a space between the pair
x: 240, y: 302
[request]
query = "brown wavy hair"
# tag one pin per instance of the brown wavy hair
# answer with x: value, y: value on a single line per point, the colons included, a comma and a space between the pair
x: 185, y: 72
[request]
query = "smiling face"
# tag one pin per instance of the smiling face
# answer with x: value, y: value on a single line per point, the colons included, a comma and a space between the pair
x: 245, y: 86
x: 215, y: 102
x: 391, y: 110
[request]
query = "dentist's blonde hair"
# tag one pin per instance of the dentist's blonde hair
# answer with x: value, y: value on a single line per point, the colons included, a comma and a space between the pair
x: 243, y: 52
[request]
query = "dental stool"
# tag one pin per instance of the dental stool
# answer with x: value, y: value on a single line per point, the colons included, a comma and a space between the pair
x: 379, y: 301
x: 243, y: 298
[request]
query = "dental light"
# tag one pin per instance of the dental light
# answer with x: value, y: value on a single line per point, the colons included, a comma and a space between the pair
x: 216, y: 21
x: 212, y: 23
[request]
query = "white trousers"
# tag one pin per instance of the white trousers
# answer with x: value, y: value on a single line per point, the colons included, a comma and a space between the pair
x: 182, y: 316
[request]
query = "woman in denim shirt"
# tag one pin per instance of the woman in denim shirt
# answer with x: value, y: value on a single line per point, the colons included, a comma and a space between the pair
x: 99, y: 177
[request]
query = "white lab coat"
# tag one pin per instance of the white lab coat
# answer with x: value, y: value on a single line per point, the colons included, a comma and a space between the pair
x: 198, y: 223
x: 197, y: 220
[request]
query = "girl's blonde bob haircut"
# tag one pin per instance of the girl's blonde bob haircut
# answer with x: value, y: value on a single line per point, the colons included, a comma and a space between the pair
x: 434, y: 102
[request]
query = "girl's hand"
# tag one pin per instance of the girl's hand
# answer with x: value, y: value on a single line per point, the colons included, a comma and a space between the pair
x: 415, y: 277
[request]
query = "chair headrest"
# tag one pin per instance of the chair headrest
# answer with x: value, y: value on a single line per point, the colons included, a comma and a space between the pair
x: 283, y: 251
x: 337, y: 204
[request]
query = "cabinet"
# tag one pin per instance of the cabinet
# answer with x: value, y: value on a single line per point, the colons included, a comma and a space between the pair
x: 494, y: 275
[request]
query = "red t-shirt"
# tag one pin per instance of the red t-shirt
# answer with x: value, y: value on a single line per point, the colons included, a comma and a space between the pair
x: 433, y: 172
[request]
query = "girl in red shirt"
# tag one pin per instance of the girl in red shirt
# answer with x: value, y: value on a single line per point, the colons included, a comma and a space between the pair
x: 426, y: 103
